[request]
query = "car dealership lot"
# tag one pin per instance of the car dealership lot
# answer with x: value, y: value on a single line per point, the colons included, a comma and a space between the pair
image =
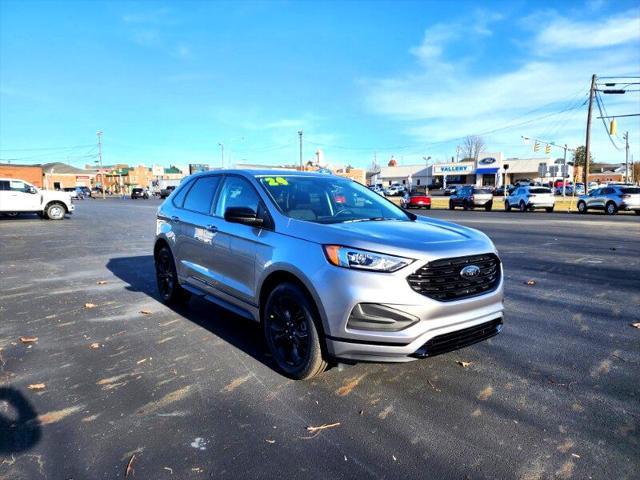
x: 190, y: 393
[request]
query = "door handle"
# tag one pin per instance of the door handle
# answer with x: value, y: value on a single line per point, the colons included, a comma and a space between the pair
x: 212, y: 228
x: 175, y: 219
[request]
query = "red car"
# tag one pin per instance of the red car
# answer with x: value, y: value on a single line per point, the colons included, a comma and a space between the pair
x: 416, y: 200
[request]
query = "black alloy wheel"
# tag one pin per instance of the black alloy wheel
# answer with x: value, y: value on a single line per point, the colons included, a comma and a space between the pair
x: 291, y: 333
x: 167, y: 278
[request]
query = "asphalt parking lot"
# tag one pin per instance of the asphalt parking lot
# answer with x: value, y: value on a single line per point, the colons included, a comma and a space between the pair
x: 135, y: 389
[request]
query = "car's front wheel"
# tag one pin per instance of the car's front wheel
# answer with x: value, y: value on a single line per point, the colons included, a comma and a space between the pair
x: 167, y: 279
x: 582, y: 207
x: 291, y: 331
x: 507, y: 207
x: 56, y: 211
x: 523, y: 207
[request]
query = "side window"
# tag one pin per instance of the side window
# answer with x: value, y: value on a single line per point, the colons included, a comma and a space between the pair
x: 17, y: 186
x: 608, y: 191
x: 178, y: 200
x: 237, y: 192
x: 200, y: 196
x: 4, y: 185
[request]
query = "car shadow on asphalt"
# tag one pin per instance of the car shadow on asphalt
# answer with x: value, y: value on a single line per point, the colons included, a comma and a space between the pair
x: 19, y: 426
x: 138, y: 272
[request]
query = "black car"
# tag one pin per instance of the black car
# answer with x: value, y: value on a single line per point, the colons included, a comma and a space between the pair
x: 165, y: 192
x: 469, y: 197
x: 139, y: 193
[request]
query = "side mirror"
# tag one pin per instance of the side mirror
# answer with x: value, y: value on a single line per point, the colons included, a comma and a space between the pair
x: 243, y: 215
x: 31, y: 190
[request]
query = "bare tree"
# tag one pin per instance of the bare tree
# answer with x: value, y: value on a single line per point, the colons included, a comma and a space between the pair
x: 472, y: 147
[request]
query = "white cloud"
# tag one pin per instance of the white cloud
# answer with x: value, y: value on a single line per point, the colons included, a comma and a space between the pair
x: 432, y: 107
x: 565, y: 34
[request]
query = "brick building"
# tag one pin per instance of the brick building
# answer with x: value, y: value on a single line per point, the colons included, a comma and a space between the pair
x: 58, y: 176
x: 28, y: 173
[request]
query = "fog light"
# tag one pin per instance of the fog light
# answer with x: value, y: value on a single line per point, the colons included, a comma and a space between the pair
x: 373, y: 316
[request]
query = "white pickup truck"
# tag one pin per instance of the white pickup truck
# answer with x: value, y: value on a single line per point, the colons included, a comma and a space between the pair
x: 18, y: 196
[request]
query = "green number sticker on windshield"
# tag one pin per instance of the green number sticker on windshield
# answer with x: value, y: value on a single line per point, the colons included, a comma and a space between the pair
x: 271, y: 181
x: 281, y: 181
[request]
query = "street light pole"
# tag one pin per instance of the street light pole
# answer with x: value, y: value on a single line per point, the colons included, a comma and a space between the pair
x: 564, y: 167
x: 300, y: 135
x: 587, y: 147
x: 99, y: 134
x: 626, y: 157
x: 221, y: 153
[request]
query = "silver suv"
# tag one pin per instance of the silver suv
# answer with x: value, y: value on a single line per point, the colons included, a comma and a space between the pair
x: 611, y: 199
x: 329, y: 268
x: 529, y: 198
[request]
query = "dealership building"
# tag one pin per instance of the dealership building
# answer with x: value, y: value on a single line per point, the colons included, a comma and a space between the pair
x: 489, y: 170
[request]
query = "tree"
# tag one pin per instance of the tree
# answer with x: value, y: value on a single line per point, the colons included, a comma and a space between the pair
x: 578, y: 157
x: 472, y: 148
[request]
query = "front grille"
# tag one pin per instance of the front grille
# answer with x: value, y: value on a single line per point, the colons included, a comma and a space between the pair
x: 441, y: 279
x: 461, y: 338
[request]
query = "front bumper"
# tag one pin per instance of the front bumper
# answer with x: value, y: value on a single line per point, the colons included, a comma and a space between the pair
x: 435, y: 318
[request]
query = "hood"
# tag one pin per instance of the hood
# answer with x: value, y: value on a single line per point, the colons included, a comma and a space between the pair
x: 423, y: 238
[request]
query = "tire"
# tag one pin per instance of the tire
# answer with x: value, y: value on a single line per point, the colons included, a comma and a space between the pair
x: 582, y: 207
x: 488, y: 206
x: 56, y: 211
x: 637, y: 212
x: 465, y: 205
x: 451, y: 205
x: 549, y: 209
x: 507, y: 207
x: 522, y: 207
x: 428, y: 207
x: 169, y: 288
x: 291, y: 331
x: 611, y: 208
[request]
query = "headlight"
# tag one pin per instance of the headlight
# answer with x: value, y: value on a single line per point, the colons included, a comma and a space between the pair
x: 364, y: 260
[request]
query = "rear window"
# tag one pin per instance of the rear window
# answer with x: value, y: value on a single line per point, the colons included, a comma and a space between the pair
x: 417, y: 194
x: 630, y: 191
x: 482, y: 190
x: 539, y: 190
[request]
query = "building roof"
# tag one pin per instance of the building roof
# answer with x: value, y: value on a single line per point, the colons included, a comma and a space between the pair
x: 62, y: 168
x: 403, y: 171
x: 172, y: 169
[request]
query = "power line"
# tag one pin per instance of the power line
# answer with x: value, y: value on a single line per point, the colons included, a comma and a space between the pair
x: 604, y: 123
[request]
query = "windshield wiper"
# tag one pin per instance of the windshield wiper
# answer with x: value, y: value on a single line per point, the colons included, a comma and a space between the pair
x: 370, y: 219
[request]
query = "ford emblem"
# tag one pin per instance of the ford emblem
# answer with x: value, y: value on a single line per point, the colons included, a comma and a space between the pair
x: 488, y: 161
x: 470, y: 271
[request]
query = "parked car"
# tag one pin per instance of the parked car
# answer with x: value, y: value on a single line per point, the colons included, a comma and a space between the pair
x: 378, y: 189
x: 86, y: 191
x: 416, y: 200
x: 611, y: 199
x: 450, y: 190
x: 139, y: 193
x: 529, y: 198
x: 394, y: 190
x: 362, y: 281
x: 77, y: 193
x: 470, y: 197
x: 165, y: 192
x: 499, y: 192
x: 18, y: 196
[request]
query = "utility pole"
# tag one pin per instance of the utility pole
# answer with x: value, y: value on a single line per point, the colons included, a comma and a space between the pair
x: 626, y: 157
x: 564, y: 167
x: 300, y: 135
x: 221, y: 154
x: 99, y: 134
x: 587, y: 147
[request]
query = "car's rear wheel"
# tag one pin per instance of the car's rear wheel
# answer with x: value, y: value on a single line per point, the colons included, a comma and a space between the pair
x: 291, y: 332
x: 465, y: 205
x: 167, y: 279
x: 428, y: 207
x: 522, y: 207
x: 451, y: 205
x: 56, y: 211
x: 582, y: 207
x: 611, y: 208
x: 488, y: 206
x: 507, y: 207
x: 549, y: 209
x: 637, y: 212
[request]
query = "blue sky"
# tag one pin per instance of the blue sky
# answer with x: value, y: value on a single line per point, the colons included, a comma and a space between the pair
x: 168, y: 81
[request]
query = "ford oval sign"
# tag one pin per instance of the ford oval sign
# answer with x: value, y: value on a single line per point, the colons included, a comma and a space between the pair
x: 488, y: 161
x: 470, y: 272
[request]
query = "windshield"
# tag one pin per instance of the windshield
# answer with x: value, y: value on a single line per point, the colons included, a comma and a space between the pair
x: 328, y: 199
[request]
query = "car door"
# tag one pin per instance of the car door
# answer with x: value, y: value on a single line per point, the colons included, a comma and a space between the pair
x: 238, y: 245
x: 593, y: 199
x: 22, y: 197
x: 196, y: 233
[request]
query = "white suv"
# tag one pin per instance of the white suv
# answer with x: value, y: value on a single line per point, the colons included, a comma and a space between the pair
x: 18, y: 196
